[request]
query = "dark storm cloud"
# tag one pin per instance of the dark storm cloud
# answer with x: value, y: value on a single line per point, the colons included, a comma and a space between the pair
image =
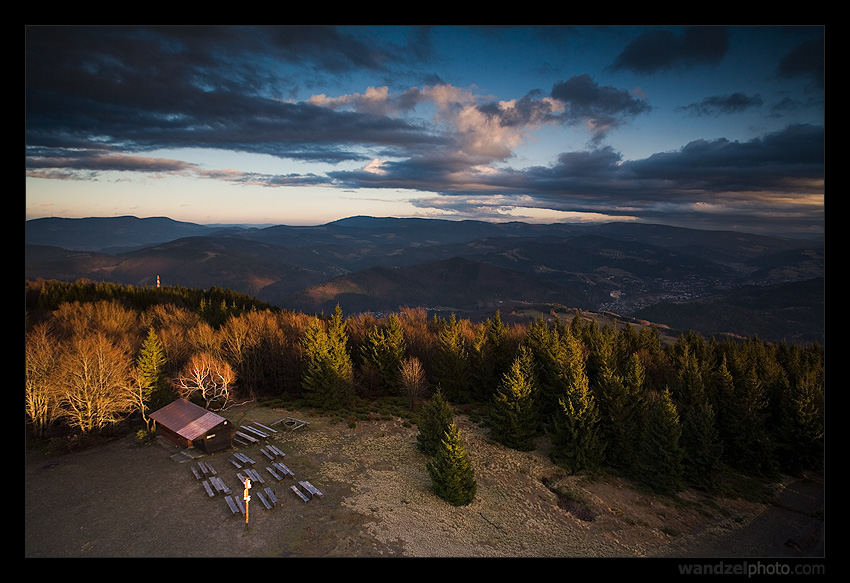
x: 144, y: 88
x: 662, y: 50
x: 737, y: 177
x: 605, y: 107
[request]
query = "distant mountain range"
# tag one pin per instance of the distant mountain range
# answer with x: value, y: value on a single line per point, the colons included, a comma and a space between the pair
x: 710, y: 281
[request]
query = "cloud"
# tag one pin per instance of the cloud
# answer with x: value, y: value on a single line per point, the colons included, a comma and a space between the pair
x: 806, y: 61
x: 723, y: 104
x: 663, y: 50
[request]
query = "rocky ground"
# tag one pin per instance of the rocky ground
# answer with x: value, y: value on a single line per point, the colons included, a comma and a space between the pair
x: 127, y: 500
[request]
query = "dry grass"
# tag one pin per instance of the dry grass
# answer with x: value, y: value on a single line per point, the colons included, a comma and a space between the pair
x: 126, y: 500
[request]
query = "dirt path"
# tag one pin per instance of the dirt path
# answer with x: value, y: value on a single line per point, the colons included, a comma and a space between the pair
x: 125, y: 500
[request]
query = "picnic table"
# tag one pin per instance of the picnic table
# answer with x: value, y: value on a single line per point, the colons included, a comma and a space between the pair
x: 299, y: 493
x: 265, y: 502
x: 270, y: 493
x: 311, y: 489
x: 245, y: 459
x: 231, y: 503
x: 247, y: 437
x: 283, y: 469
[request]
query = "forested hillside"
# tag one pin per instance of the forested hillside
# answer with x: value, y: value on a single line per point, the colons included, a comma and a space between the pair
x: 670, y: 415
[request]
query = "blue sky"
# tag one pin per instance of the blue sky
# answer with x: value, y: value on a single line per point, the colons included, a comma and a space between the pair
x: 706, y: 127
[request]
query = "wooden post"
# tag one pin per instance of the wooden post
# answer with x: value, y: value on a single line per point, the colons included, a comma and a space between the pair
x: 247, y: 497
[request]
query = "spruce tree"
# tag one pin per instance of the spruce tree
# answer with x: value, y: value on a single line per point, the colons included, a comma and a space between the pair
x: 513, y: 418
x: 801, y: 430
x: 452, y: 475
x: 700, y: 441
x: 659, y: 455
x: 451, y: 362
x: 328, y: 380
x: 384, y: 350
x: 434, y: 418
x: 576, y: 438
x: 155, y: 391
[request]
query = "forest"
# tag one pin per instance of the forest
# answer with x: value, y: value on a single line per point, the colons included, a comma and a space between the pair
x: 669, y: 415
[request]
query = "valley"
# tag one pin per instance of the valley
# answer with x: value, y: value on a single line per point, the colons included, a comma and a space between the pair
x: 681, y: 278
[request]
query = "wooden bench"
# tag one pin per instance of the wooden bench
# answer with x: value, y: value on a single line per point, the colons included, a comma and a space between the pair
x: 220, y: 485
x: 238, y: 501
x: 234, y: 508
x: 235, y: 462
x: 264, y: 428
x: 311, y: 489
x: 267, y: 453
x: 255, y: 475
x: 196, y: 472
x: 263, y: 500
x: 284, y: 470
x: 299, y: 493
x: 209, y: 489
x: 245, y: 459
x: 247, y: 438
x: 274, y: 474
x: 254, y: 430
x: 274, y: 449
x: 272, y: 498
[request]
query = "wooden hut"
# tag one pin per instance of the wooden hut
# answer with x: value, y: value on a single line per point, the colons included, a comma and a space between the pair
x: 187, y: 425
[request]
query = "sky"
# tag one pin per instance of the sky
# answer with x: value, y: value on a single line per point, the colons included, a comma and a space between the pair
x: 705, y: 127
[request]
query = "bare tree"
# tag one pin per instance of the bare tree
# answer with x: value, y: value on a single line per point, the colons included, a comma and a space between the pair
x: 95, y: 382
x: 210, y: 377
x: 41, y: 365
x: 413, y: 380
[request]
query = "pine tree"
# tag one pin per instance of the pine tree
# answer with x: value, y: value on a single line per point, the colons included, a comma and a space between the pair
x: 452, y: 475
x: 513, y: 418
x: 434, y: 418
x: 576, y: 438
x: 659, y: 455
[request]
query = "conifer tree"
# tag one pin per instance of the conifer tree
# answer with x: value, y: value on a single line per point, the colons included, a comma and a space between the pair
x: 451, y: 362
x: 452, y: 475
x: 549, y: 355
x: 152, y: 384
x: 328, y: 380
x: 801, y: 431
x: 576, y: 438
x: 513, y: 418
x: 659, y: 455
x: 700, y: 442
x: 434, y: 418
x: 384, y: 349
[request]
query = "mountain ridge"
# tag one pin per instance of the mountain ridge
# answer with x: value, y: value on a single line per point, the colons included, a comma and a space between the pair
x: 370, y: 264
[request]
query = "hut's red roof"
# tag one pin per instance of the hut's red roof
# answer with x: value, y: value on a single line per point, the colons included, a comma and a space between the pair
x: 187, y: 419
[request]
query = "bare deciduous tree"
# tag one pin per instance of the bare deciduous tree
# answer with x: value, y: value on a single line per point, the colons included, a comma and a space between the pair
x: 94, y: 382
x: 210, y: 377
x: 41, y: 364
x: 413, y: 380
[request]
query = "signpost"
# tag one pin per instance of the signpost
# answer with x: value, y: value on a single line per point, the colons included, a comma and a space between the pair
x: 247, y: 497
